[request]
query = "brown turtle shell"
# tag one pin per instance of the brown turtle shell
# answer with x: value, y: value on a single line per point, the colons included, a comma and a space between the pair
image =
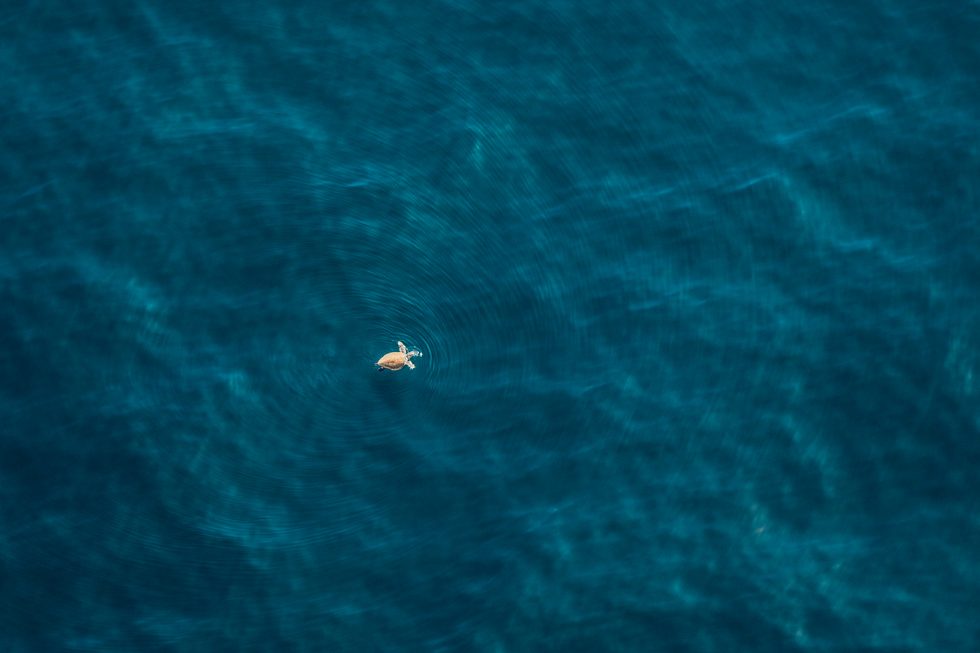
x: 393, y: 360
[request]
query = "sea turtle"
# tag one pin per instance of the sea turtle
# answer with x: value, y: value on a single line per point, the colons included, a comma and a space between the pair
x: 398, y: 359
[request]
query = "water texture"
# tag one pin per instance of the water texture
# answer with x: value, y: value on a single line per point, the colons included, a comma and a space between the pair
x: 696, y: 284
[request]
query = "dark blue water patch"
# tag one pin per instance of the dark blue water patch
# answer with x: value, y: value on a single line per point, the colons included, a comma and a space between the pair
x: 695, y: 286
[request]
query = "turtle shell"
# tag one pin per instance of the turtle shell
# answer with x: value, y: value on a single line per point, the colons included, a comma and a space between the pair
x: 393, y: 361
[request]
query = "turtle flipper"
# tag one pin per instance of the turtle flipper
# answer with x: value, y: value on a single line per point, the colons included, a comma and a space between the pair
x: 410, y: 364
x: 401, y: 347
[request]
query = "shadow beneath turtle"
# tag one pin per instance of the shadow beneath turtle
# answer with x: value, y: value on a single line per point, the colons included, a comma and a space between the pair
x: 386, y: 388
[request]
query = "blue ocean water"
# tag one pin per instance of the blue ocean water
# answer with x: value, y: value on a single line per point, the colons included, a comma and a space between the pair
x: 696, y: 286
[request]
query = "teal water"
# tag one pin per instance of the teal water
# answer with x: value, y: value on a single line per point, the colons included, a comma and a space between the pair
x: 696, y: 286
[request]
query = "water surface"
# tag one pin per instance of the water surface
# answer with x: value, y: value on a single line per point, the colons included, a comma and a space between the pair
x: 696, y: 285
